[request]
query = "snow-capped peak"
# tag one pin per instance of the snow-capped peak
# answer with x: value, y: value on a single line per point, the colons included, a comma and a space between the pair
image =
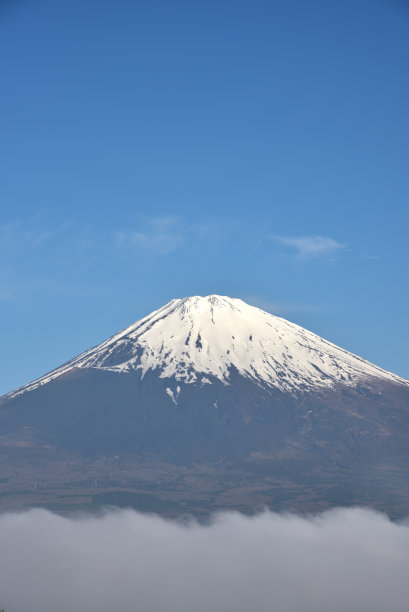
x: 197, y: 338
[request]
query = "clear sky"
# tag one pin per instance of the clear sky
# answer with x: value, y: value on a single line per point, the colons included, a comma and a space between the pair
x: 152, y: 150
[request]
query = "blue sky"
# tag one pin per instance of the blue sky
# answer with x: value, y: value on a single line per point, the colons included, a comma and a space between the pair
x: 165, y: 149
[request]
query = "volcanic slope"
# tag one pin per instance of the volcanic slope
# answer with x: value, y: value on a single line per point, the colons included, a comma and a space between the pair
x: 192, y: 338
x: 240, y: 408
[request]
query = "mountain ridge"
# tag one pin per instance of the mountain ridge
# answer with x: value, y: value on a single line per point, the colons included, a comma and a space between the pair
x: 208, y: 404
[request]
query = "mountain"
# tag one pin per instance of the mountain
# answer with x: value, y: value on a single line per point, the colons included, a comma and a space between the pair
x: 208, y: 403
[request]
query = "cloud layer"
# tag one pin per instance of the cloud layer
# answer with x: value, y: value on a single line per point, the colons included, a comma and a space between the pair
x: 342, y: 560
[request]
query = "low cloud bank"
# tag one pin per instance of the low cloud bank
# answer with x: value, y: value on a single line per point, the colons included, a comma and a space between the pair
x: 351, y: 559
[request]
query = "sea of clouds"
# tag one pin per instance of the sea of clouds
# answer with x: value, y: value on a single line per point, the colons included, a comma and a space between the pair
x: 343, y: 560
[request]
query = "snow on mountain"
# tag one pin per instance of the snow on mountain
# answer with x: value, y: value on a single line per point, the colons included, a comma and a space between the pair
x: 197, y: 338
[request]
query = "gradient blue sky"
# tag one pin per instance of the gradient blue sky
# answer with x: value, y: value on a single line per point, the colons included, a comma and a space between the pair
x: 152, y: 150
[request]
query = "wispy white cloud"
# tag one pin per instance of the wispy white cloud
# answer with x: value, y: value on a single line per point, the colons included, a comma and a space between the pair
x: 311, y: 246
x: 158, y: 236
x: 18, y: 235
x: 39, y: 255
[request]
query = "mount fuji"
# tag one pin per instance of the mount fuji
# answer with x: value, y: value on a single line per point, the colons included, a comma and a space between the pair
x: 208, y: 403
